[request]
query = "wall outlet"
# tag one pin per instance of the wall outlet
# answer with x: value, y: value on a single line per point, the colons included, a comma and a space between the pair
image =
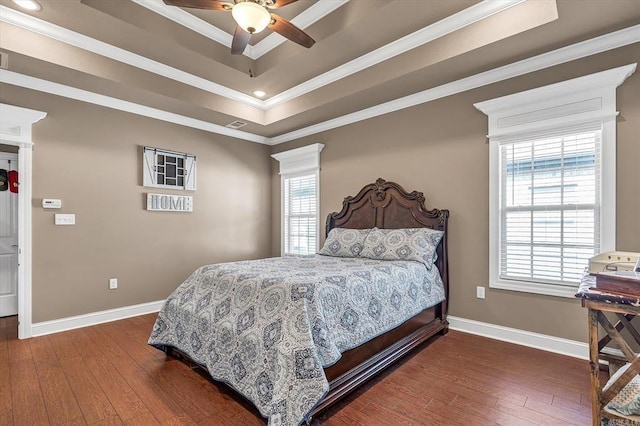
x: 480, y: 292
x: 113, y: 283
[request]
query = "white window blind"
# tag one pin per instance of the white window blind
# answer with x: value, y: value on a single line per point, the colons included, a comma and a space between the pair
x: 300, y: 214
x: 549, y: 206
x: 552, y: 181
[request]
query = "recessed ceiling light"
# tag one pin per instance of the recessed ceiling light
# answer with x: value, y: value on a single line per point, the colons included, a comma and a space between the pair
x: 259, y: 93
x: 28, y: 4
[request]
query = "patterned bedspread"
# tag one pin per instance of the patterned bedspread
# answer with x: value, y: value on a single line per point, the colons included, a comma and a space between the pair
x: 268, y: 327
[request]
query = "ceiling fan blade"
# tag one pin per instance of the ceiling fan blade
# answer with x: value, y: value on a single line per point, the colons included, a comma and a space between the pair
x: 279, y: 3
x: 290, y: 31
x: 240, y: 41
x: 200, y: 4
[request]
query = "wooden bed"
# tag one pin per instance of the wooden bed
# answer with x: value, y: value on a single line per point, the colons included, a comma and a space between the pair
x: 383, y: 204
x: 387, y: 205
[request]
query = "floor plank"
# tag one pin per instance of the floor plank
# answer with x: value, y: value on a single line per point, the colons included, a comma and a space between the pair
x: 59, y: 400
x: 108, y: 375
x: 6, y: 410
x: 94, y: 404
x: 26, y: 395
x: 121, y: 396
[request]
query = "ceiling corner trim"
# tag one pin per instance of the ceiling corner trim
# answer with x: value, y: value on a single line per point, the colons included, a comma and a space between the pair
x: 425, y: 35
x: 559, y: 56
x: 72, y: 38
x: 445, y: 26
x: 617, y: 39
x: 308, y: 17
x: 188, y: 20
x: 40, y: 85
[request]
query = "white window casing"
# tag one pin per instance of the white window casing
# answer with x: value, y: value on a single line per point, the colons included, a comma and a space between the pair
x: 552, y: 175
x: 300, y: 199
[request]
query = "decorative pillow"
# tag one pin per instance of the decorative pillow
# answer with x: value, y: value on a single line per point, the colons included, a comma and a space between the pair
x: 344, y: 242
x: 417, y: 244
x: 627, y: 401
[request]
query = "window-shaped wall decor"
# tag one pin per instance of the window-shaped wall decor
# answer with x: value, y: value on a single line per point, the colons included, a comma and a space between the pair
x: 168, y: 169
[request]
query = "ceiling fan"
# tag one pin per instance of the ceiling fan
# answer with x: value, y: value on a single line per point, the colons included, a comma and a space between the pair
x: 252, y: 16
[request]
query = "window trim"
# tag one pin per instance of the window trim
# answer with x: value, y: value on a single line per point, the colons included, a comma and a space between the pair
x: 294, y: 163
x: 585, y: 100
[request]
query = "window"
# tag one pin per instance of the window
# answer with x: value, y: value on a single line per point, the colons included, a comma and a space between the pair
x: 300, y: 214
x: 167, y: 169
x: 552, y: 182
x: 549, y: 207
x: 299, y: 171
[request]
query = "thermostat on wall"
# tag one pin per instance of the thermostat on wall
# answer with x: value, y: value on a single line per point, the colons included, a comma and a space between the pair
x: 48, y: 203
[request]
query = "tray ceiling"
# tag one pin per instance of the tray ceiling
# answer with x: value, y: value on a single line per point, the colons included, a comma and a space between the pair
x: 368, y: 53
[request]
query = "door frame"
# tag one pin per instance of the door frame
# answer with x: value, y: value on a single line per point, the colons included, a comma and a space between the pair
x: 15, y: 129
x: 12, y: 158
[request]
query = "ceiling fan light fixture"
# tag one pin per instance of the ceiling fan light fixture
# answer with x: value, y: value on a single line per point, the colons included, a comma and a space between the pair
x: 251, y: 16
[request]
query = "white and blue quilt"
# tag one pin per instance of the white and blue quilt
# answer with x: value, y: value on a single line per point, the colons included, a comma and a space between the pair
x: 268, y: 327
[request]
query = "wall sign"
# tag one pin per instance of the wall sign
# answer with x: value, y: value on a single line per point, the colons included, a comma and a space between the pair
x: 169, y: 203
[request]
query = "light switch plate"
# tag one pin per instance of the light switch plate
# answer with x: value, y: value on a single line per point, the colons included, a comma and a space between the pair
x: 65, y: 219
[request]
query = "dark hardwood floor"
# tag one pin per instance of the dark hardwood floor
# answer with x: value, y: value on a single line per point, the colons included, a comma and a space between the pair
x: 107, y: 375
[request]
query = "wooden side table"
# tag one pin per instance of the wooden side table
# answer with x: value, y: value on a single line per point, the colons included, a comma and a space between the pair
x: 625, y: 308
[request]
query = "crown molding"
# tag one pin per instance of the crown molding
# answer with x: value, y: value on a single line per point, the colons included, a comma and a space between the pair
x: 301, y: 159
x: 425, y: 35
x: 445, y: 26
x: 569, y: 53
x: 308, y: 17
x: 21, y: 80
x: 188, y: 20
x: 579, y: 90
x: 573, y: 52
x: 56, y: 32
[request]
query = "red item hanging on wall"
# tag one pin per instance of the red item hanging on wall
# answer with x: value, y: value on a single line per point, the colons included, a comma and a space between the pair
x: 13, y: 180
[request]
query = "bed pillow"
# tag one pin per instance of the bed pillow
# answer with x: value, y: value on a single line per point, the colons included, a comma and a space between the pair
x: 344, y: 242
x: 627, y: 401
x: 417, y: 244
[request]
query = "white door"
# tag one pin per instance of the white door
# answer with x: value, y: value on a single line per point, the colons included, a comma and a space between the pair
x: 8, y: 242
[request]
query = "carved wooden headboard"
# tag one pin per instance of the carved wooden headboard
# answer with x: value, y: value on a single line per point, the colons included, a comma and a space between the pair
x: 387, y: 205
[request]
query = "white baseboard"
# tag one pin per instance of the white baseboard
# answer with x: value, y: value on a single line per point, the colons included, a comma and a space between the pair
x: 512, y: 335
x: 70, y: 323
x: 558, y: 345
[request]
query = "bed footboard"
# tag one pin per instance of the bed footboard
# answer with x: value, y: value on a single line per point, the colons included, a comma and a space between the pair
x: 362, y: 363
